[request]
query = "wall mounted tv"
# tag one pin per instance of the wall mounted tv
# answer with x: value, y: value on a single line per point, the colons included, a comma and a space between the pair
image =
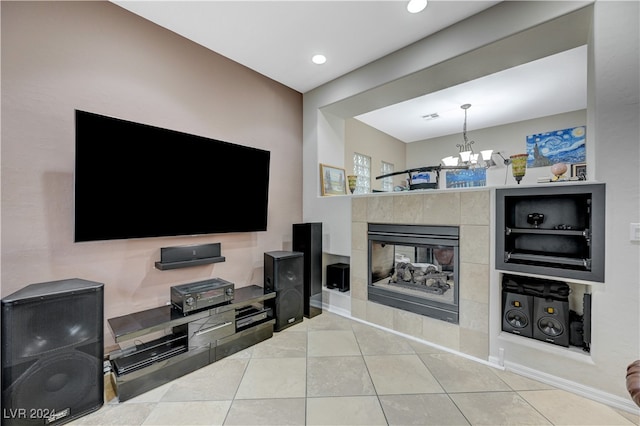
x: 135, y: 181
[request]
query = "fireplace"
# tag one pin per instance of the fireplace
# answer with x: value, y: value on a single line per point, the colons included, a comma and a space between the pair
x: 415, y: 268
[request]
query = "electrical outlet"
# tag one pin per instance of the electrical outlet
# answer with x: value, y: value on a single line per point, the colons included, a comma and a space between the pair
x: 634, y: 232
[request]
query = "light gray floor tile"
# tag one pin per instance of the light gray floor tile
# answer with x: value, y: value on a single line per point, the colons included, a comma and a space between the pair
x: 497, y: 408
x: 283, y: 345
x: 379, y: 342
x: 458, y: 374
x: 349, y: 410
x: 565, y: 408
x: 400, y: 374
x: 338, y: 376
x: 518, y: 382
x: 332, y: 343
x: 421, y: 348
x: 422, y: 409
x: 217, y: 381
x: 632, y: 417
x: 274, y: 378
x: 286, y: 411
x: 329, y: 321
x: 188, y: 413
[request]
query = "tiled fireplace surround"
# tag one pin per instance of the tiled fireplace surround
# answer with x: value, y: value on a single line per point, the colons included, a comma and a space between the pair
x: 469, y: 209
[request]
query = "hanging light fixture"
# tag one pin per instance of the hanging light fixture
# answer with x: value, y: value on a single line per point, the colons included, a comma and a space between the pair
x: 466, y: 156
x: 466, y: 150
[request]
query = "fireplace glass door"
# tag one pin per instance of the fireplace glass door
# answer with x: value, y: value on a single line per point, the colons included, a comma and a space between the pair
x: 415, y: 268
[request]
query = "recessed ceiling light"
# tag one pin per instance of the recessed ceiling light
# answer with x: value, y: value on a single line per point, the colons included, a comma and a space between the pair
x: 415, y: 6
x: 319, y: 59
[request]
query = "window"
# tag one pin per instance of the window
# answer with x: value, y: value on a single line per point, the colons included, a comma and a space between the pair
x: 387, y: 183
x: 362, y: 169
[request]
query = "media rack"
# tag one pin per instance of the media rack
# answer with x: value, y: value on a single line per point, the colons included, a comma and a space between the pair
x: 190, y: 341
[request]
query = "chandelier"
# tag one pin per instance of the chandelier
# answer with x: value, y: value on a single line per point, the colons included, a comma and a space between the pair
x: 466, y: 156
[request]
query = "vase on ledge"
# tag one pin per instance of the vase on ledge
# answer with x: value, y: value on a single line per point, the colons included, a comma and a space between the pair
x: 519, y: 166
x: 352, y: 179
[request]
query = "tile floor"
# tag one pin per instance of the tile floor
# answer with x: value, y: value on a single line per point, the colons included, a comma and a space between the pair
x: 331, y: 370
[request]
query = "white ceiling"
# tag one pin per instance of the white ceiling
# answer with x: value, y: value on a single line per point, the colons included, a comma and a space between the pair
x: 548, y: 86
x: 278, y: 39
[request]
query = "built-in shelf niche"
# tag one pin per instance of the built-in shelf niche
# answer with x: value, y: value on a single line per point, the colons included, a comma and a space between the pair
x: 555, y: 230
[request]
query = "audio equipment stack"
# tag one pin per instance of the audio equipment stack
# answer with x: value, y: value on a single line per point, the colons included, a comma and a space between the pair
x: 539, y: 309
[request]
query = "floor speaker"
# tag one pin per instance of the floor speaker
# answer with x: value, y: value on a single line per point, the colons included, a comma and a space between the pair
x: 283, y: 273
x: 551, y: 320
x: 517, y: 313
x: 52, y: 352
x: 307, y: 239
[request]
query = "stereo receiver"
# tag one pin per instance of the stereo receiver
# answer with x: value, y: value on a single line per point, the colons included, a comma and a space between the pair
x: 192, y: 297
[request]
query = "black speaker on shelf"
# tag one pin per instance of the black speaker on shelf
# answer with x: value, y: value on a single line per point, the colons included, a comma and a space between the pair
x: 338, y: 276
x: 52, y: 352
x: 586, y: 322
x: 517, y: 313
x: 307, y: 239
x: 283, y: 273
x: 551, y: 321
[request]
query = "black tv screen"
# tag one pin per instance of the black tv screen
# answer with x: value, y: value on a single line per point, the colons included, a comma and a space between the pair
x: 135, y: 181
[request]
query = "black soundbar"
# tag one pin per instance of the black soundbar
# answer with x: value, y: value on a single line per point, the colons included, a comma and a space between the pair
x: 185, y: 256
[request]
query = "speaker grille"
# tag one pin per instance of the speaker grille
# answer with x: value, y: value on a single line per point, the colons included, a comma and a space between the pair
x: 516, y: 319
x: 52, y: 351
x: 36, y: 329
x: 56, y: 382
x: 283, y: 273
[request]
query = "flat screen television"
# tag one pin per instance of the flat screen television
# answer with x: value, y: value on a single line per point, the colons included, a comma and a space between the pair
x: 136, y: 181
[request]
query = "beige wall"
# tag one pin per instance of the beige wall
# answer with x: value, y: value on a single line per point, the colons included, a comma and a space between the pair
x: 95, y: 56
x: 379, y: 146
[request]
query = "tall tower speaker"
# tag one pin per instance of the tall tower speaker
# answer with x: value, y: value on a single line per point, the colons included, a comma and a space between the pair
x: 52, y: 352
x: 551, y: 320
x: 517, y: 313
x: 307, y: 238
x: 283, y: 273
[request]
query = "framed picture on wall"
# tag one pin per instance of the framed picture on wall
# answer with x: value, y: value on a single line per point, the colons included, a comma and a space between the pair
x: 332, y: 180
x: 579, y: 170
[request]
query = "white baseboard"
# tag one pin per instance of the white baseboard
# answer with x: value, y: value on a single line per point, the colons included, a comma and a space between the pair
x: 577, y: 388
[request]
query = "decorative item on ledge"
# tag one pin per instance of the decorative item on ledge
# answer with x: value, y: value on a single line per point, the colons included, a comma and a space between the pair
x: 558, y: 170
x: 186, y: 256
x: 353, y: 179
x: 579, y: 171
x: 332, y: 180
x: 420, y: 180
x: 519, y: 166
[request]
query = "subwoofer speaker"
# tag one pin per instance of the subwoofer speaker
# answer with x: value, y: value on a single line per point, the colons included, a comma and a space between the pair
x: 517, y: 313
x: 551, y: 321
x: 283, y: 273
x: 52, y: 352
x: 307, y: 239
